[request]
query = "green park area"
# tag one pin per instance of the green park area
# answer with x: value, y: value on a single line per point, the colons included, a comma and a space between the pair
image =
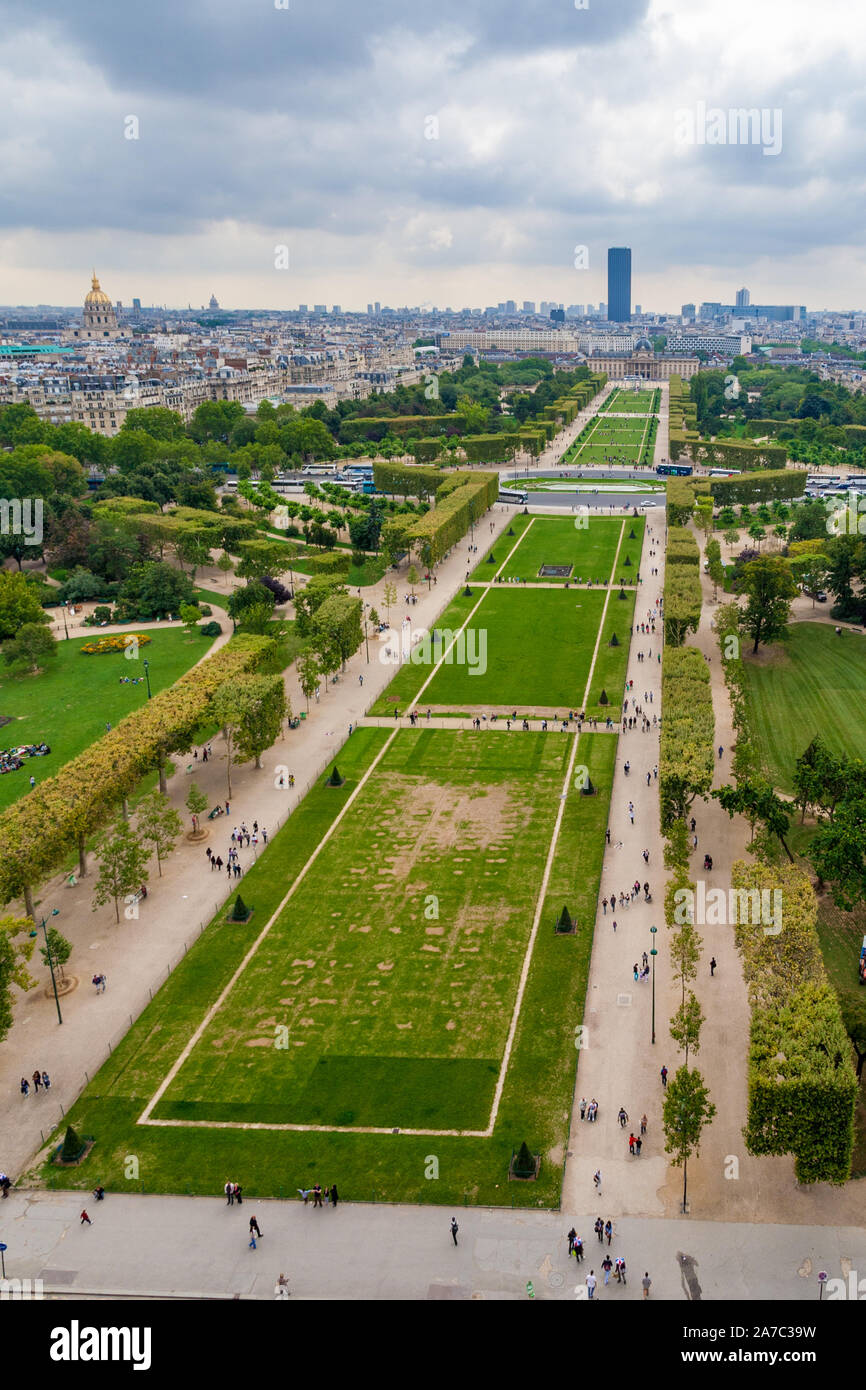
x: 585, y: 545
x: 382, y: 993
x: 813, y: 683
x: 627, y: 401
x: 69, y: 704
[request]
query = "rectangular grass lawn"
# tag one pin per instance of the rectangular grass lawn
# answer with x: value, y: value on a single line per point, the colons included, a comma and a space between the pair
x: 68, y: 705
x: 813, y: 683
x: 590, y: 548
x: 538, y: 645
x: 395, y: 964
x: 539, y: 1083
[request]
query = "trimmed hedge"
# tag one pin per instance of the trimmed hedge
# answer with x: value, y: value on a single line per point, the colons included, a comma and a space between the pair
x: 334, y: 562
x: 682, y: 548
x: 406, y: 479
x: 802, y: 1086
x: 764, y: 486
x: 462, y: 499
x: 38, y: 832
x: 375, y: 427
x: 491, y: 448
x: 686, y: 763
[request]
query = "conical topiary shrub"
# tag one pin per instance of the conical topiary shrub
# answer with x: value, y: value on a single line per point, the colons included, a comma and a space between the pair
x: 467, y: 592
x: 614, y: 641
x: 240, y: 912
x: 588, y: 789
x: 631, y: 535
x: 511, y: 531
x: 491, y: 558
x: 335, y: 780
x: 72, y: 1146
x: 627, y: 561
x: 622, y: 594
x: 602, y: 699
x: 564, y: 923
x: 523, y: 1164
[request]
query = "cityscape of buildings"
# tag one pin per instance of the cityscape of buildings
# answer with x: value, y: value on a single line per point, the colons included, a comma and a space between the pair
x: 93, y: 365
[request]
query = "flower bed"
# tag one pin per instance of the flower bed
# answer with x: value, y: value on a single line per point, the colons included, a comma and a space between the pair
x: 118, y: 642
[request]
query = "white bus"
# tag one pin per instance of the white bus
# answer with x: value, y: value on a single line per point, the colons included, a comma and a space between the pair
x: 320, y: 470
x: 288, y: 485
x: 724, y: 472
x: 510, y: 495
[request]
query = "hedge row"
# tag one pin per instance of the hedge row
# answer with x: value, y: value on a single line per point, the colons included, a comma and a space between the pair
x: 738, y: 454
x: 764, y: 486
x: 38, y: 832
x: 461, y: 501
x: 682, y: 590
x: 681, y: 495
x: 491, y: 448
x: 406, y: 479
x: 686, y: 765
x: 375, y: 427
x: 334, y: 562
x: 802, y: 1086
x: 682, y: 548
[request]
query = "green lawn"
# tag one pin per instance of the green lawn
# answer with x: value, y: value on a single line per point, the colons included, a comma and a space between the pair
x: 627, y: 402
x: 525, y: 647
x: 590, y: 548
x: 434, y: 791
x: 212, y: 596
x: 69, y: 705
x: 814, y: 683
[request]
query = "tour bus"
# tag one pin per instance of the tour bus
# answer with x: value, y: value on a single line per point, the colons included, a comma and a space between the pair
x: 232, y: 484
x: 359, y: 470
x: 320, y: 470
x: 724, y: 472
x: 512, y: 495
x: 675, y: 470
x: 288, y: 485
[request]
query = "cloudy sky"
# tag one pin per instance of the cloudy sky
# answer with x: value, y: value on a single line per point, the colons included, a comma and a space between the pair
x: 454, y: 153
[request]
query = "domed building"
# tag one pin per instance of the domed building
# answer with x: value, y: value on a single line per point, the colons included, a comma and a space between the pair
x: 99, y: 321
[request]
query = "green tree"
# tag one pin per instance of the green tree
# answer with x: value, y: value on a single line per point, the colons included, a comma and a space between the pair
x: 337, y: 624
x: 158, y: 824
x: 14, y: 956
x: 770, y: 587
x: 152, y: 590
x: 31, y: 650
x: 122, y: 866
x: 250, y: 710
x: 225, y: 564
x: 687, y: 1109
x: 196, y: 804
x: 755, y: 799
x: 309, y: 674
x: 19, y: 604
x: 57, y: 952
x: 412, y: 578
x: 189, y: 616
x: 389, y: 598
x: 838, y: 854
x: 685, y: 1026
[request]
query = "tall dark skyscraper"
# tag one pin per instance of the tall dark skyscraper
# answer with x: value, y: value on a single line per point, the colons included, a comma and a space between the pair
x: 619, y: 284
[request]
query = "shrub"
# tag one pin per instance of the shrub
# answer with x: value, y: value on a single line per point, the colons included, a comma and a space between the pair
x: 72, y: 1146
x: 210, y: 629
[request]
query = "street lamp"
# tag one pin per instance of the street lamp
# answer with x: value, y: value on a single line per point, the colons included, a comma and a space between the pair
x: 654, y: 953
x: 65, y: 628
x: 55, y: 912
x: 147, y: 675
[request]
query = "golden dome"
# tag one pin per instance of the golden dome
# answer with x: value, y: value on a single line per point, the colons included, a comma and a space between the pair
x: 96, y: 295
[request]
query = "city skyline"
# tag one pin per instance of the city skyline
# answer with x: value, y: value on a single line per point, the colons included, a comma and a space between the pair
x: 279, y: 157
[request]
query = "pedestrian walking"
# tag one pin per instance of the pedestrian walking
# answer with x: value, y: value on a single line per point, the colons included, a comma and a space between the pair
x: 25, y: 1086
x: 281, y: 1288
x: 572, y: 1237
x: 578, y: 1250
x: 37, y: 1082
x: 254, y: 1228
x: 454, y: 1229
x: 334, y: 1196
x: 622, y: 1117
x: 643, y: 1124
x: 582, y: 1107
x: 664, y: 1076
x: 712, y: 965
x: 637, y: 1145
x: 229, y: 1190
x: 646, y: 1284
x: 85, y: 1219
x: 614, y: 924
x: 721, y: 750
x: 596, y: 1178
x: 238, y: 1194
x: 607, y: 1266
x: 608, y: 1230
x: 46, y: 1081
x: 591, y: 1282
x: 599, y: 1229
x: 631, y: 1143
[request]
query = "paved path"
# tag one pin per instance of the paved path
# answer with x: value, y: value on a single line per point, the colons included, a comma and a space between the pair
x: 197, y: 1247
